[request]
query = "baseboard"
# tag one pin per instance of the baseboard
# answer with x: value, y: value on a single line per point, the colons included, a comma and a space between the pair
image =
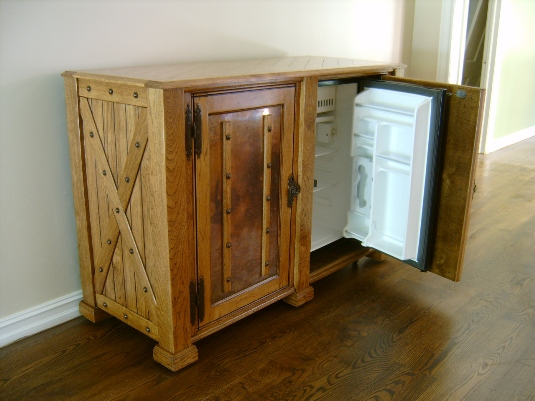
x: 39, y: 318
x: 510, y: 139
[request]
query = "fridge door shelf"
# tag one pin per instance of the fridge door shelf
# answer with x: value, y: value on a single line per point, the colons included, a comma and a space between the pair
x: 389, y: 100
x: 395, y: 142
x: 325, y: 152
x: 380, y: 115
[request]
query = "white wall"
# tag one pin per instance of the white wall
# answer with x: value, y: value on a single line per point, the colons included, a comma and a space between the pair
x: 41, y: 39
x: 424, y: 54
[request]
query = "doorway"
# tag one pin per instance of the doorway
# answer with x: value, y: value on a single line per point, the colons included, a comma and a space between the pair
x: 475, y: 42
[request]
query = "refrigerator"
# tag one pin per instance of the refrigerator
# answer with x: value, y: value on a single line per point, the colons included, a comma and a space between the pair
x: 376, y: 166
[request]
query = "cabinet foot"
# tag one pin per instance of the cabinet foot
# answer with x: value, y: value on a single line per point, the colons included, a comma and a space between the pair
x: 376, y: 255
x: 176, y: 361
x: 92, y: 313
x: 301, y: 297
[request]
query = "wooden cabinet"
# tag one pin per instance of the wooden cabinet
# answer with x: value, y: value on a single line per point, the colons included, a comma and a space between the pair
x: 194, y: 186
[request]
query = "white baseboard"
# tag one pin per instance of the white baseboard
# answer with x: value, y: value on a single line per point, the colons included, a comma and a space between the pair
x: 502, y: 142
x: 39, y: 318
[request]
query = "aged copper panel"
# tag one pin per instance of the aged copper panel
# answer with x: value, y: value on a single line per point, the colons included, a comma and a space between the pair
x: 246, y: 186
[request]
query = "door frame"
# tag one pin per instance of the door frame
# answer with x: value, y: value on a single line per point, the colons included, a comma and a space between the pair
x: 453, y: 30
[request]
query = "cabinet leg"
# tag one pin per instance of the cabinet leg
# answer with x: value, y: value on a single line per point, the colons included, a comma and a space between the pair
x: 376, y: 255
x: 92, y: 313
x: 301, y: 297
x: 176, y: 361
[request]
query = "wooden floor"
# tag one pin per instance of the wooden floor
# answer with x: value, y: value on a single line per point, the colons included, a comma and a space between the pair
x: 379, y: 330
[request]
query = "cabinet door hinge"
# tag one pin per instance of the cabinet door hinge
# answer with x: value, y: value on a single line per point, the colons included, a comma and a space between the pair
x: 192, y: 302
x: 197, y: 127
x: 293, y: 190
x: 196, y: 300
x: 200, y: 298
x: 189, y: 134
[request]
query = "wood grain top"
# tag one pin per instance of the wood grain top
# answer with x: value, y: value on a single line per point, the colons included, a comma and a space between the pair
x: 225, y: 72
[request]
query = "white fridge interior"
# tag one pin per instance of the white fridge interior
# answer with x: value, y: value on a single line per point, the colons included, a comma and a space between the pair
x: 370, y: 167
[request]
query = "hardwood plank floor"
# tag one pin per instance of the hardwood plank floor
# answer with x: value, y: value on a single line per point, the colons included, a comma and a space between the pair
x: 377, y: 330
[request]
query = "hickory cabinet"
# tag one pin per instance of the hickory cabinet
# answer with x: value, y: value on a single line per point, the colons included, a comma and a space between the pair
x: 206, y: 191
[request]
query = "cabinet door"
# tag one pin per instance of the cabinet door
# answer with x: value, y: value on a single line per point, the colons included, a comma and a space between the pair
x: 243, y: 221
x: 456, y: 169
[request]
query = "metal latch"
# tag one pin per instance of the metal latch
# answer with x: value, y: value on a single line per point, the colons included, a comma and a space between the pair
x: 293, y: 190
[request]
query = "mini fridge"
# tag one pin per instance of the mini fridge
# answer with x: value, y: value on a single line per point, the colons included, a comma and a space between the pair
x: 375, y: 175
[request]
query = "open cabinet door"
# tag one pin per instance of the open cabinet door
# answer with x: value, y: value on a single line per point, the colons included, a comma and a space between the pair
x: 460, y: 140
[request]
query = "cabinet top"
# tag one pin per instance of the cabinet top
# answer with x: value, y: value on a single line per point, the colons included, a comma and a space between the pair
x: 229, y: 72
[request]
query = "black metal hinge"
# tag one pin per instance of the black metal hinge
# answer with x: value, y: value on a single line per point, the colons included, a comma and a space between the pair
x: 200, y: 299
x: 193, y: 134
x: 197, y: 127
x: 196, y: 300
x: 193, y: 302
x: 189, y: 132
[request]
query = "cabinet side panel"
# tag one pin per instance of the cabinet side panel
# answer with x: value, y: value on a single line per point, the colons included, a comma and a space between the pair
x: 79, y: 190
x: 117, y: 135
x: 459, y: 157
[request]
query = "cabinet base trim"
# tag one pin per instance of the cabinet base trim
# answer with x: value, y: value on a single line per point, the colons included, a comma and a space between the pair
x: 241, y: 313
x: 92, y: 313
x: 176, y: 361
x: 301, y: 297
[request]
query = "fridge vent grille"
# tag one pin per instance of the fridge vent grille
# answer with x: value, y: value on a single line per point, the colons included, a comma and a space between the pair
x: 326, y: 99
x: 325, y: 103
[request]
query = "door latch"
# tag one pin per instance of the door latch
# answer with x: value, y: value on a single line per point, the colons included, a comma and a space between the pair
x: 293, y: 190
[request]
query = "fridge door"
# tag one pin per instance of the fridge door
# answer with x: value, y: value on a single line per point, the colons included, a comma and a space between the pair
x: 395, y: 150
x: 456, y: 172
